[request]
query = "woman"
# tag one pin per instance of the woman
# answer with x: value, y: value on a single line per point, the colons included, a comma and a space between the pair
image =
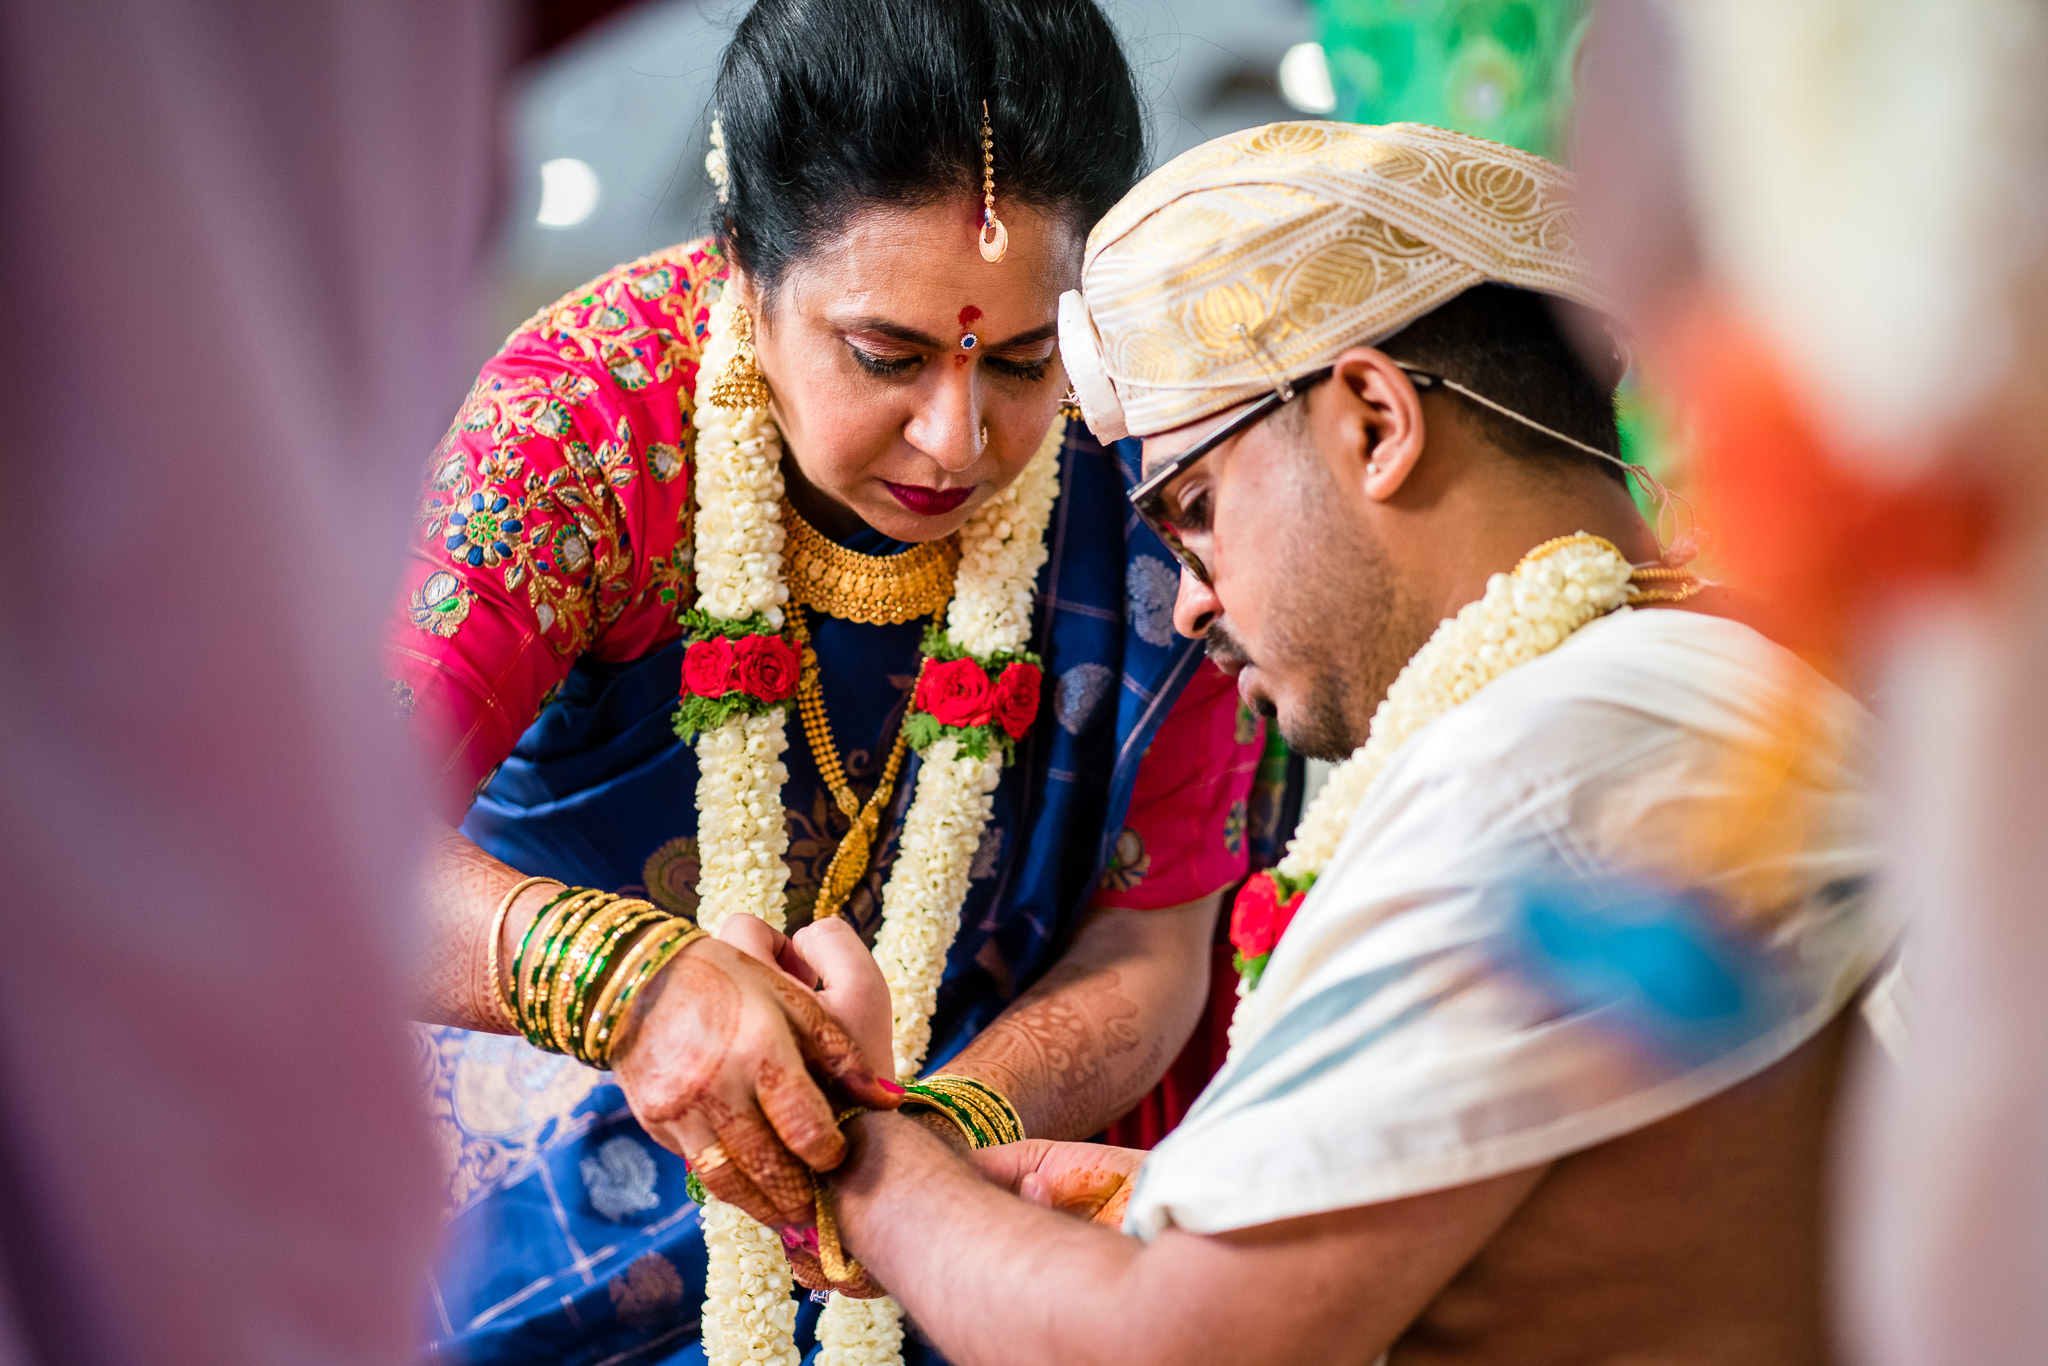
x: 861, y: 331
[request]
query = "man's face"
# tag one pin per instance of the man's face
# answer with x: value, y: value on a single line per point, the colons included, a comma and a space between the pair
x: 1305, y: 609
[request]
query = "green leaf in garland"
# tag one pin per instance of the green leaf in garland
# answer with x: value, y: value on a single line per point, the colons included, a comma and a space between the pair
x: 921, y: 730
x: 709, y: 713
x: 1290, y: 885
x: 701, y: 625
x: 1251, y: 969
x: 940, y: 646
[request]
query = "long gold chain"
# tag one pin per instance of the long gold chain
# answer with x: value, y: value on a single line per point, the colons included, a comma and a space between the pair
x: 850, y: 860
x: 876, y: 590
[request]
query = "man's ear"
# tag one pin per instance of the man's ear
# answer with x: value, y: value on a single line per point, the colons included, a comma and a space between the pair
x: 1382, y: 419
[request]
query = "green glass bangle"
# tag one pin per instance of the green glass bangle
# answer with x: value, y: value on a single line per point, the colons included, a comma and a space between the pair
x: 597, y: 1029
x: 990, y: 1106
x: 520, y: 983
x: 960, y: 1115
x: 593, y: 972
x: 575, y: 958
x: 572, y: 919
x: 685, y: 935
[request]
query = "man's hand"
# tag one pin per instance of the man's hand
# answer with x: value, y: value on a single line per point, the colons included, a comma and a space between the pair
x: 1089, y: 1180
x: 717, y: 1062
x: 828, y: 959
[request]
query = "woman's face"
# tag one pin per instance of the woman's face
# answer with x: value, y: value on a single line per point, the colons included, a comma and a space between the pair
x: 912, y: 379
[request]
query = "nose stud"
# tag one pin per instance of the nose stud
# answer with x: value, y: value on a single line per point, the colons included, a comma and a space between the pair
x: 984, y: 438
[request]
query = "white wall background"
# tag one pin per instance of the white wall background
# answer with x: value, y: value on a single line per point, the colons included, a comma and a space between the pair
x: 628, y: 102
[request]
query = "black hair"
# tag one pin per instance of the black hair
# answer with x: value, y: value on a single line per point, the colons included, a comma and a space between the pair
x: 1509, y: 345
x: 829, y: 105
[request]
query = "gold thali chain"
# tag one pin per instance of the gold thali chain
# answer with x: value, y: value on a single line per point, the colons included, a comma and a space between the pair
x: 856, y: 851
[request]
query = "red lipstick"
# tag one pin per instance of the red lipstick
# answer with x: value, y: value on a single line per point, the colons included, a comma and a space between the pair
x: 927, y: 502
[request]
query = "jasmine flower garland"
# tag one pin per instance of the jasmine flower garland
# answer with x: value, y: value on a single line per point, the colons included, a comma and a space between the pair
x: 1557, y: 588
x: 735, y: 707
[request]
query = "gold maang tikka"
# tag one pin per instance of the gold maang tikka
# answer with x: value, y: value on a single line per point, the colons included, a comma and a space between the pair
x: 995, y: 238
x: 742, y: 385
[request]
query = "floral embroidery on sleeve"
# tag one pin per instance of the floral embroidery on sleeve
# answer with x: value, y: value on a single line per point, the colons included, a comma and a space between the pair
x: 549, y: 536
x: 441, y: 604
x: 554, y: 520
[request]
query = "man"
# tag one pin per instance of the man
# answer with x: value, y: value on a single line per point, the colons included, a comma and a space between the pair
x: 1542, y: 1068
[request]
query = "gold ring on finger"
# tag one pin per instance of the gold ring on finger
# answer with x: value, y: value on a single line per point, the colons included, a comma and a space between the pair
x: 709, y: 1159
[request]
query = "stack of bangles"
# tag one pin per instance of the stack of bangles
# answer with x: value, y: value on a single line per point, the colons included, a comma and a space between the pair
x: 580, y: 964
x: 982, y: 1113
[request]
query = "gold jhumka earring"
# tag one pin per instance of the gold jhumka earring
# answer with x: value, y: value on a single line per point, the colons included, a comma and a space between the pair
x: 742, y: 385
x: 995, y: 238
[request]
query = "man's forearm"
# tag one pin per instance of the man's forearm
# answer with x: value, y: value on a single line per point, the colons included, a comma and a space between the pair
x: 1099, y: 1030
x: 994, y: 1280
x: 991, y: 1279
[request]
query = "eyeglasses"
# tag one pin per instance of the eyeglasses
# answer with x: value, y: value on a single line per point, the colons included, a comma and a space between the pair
x: 1148, y: 499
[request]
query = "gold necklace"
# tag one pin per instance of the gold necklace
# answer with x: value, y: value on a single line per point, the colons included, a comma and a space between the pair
x: 850, y: 860
x: 1685, y: 584
x: 877, y: 590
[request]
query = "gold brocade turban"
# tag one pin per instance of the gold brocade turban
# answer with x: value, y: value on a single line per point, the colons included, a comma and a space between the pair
x: 1306, y: 238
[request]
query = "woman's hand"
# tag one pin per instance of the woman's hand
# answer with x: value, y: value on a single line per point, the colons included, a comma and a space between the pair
x: 717, y: 1064
x: 1088, y: 1180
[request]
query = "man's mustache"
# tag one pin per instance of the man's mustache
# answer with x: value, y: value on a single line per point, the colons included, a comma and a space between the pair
x: 1223, y: 648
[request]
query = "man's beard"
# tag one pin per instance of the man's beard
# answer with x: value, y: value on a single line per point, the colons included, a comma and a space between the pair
x: 1345, y: 630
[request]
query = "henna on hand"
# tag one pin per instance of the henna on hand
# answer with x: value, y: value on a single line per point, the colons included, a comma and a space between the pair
x: 460, y: 888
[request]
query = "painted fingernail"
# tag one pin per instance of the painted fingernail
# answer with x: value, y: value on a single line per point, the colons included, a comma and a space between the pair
x: 800, y: 1239
x: 891, y: 1087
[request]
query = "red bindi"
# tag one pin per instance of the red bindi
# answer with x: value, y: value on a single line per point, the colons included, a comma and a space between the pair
x: 968, y: 341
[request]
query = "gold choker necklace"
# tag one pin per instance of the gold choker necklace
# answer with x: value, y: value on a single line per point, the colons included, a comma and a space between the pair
x: 874, y: 589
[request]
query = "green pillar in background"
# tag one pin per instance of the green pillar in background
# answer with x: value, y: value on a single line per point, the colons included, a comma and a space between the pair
x: 1499, y: 69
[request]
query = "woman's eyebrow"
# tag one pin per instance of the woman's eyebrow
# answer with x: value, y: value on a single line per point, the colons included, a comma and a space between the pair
x: 910, y: 336
x: 1043, y: 332
x: 893, y: 331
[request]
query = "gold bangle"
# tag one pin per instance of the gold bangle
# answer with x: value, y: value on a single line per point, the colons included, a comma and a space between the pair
x: 563, y: 935
x: 561, y: 992
x: 624, y: 920
x: 914, y: 1102
x: 596, y: 1034
x: 535, y: 984
x: 988, y: 1105
x: 524, y: 979
x: 655, y: 961
x: 500, y: 996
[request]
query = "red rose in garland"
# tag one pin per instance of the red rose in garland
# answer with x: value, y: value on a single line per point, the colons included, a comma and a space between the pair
x: 766, y: 667
x: 956, y: 693
x: 707, y: 667
x: 1259, y: 917
x: 1016, y: 700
